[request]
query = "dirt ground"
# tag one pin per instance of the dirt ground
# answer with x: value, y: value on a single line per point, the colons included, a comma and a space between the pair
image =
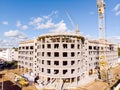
x: 99, y: 85
x: 8, y: 78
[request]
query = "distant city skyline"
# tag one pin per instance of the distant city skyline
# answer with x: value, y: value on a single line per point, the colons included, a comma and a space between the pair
x: 27, y: 19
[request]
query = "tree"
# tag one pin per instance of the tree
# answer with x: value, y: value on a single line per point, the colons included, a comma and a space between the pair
x: 16, y: 49
x: 118, y: 51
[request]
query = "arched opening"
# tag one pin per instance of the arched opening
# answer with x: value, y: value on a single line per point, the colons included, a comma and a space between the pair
x: 30, y: 70
x: 78, y: 78
x: 90, y: 72
x: 96, y: 70
x: 22, y: 68
x: 26, y: 70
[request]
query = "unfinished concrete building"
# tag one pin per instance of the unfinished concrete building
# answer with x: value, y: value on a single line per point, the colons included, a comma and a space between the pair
x: 63, y: 60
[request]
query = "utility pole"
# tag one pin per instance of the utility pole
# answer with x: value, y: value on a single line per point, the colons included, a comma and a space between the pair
x: 2, y: 82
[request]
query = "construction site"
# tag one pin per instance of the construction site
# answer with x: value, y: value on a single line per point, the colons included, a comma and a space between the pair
x: 67, y: 61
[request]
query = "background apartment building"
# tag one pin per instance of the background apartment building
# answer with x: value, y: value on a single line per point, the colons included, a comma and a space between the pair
x: 26, y: 55
x: 9, y: 54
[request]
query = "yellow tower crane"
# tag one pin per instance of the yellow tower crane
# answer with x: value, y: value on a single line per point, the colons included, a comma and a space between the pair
x: 101, y: 18
x: 103, y: 64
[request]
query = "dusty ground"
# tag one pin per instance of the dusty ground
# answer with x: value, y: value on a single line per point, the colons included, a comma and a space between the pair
x: 99, y: 85
x: 8, y: 79
x: 95, y: 85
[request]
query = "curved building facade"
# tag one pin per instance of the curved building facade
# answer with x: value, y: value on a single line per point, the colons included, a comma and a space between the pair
x: 60, y: 57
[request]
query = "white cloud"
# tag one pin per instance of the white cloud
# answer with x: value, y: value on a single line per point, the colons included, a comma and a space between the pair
x: 49, y: 24
x: 16, y: 34
x: 12, y: 33
x: 19, y: 24
x: 91, y: 13
x: 24, y: 27
x: 53, y: 13
x: 46, y: 22
x: 35, y: 20
x: 88, y: 36
x: 43, y: 22
x: 13, y: 37
x: 8, y: 43
x: 60, y: 27
x: 42, y: 19
x: 5, y: 22
x: 116, y: 9
x: 45, y: 17
x: 114, y: 39
x: 117, y: 13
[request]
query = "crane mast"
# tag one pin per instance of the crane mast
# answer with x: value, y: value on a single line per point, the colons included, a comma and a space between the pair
x: 102, y: 53
x: 101, y: 18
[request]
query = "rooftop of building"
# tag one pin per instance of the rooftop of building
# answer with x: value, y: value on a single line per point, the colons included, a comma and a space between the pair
x: 27, y: 41
x: 101, y: 41
x: 61, y: 34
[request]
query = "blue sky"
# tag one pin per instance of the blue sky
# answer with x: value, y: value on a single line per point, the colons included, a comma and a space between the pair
x: 26, y: 19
